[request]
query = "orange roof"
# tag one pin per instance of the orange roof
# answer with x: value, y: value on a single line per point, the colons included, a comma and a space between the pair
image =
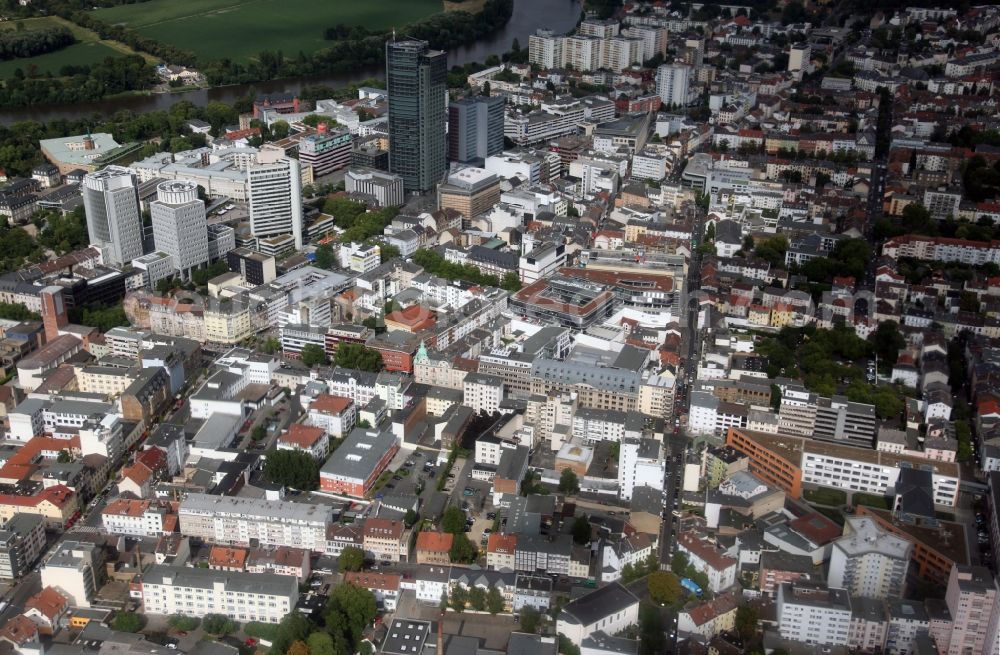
x: 370, y: 580
x: 58, y: 495
x: 49, y: 603
x: 435, y: 542
x: 303, y: 436
x: 330, y: 404
x: 138, y: 473
x: 126, y: 507
x: 413, y: 317
x: 231, y: 558
x: 714, y: 608
x: 13, y: 473
x: 502, y: 543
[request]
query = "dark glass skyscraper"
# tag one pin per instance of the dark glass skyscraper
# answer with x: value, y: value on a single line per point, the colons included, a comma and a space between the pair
x: 416, y: 79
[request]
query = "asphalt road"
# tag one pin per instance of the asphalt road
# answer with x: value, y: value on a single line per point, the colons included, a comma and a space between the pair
x: 677, y: 444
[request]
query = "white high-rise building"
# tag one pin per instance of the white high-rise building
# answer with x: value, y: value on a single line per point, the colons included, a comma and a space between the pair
x: 114, y: 222
x: 583, y: 53
x: 812, y: 613
x: 642, y: 465
x: 179, y: 226
x: 673, y: 82
x: 545, y: 49
x: 274, y: 191
x: 869, y: 561
x: 798, y: 57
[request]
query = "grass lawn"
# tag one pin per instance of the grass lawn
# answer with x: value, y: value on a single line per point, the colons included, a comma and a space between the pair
x: 831, y: 497
x: 239, y: 29
x: 871, y: 500
x: 89, y: 48
x: 834, y: 515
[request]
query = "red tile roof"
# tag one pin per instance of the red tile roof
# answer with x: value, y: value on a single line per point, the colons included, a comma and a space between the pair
x: 231, y: 558
x: 816, y: 527
x: 330, y: 404
x: 303, y: 436
x: 49, y: 603
x: 58, y: 495
x: 370, y: 580
x: 435, y: 542
x: 502, y: 543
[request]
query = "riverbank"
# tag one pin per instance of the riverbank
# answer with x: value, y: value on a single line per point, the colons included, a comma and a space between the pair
x: 527, y: 16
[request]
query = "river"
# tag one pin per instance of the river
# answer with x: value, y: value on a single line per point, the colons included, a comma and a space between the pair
x: 528, y: 15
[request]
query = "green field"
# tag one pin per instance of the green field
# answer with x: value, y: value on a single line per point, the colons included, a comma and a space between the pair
x: 239, y: 29
x: 89, y: 48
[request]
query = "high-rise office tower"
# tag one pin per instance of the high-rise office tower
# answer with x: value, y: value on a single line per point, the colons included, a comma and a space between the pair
x: 179, y: 226
x: 672, y: 84
x: 416, y: 79
x: 274, y: 193
x: 114, y: 222
x: 475, y: 129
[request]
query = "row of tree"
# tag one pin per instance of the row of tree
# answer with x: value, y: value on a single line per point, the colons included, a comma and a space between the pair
x: 435, y: 264
x: 80, y: 83
x: 15, y: 44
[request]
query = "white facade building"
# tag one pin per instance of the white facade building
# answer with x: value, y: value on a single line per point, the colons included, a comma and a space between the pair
x: 673, y: 83
x: 640, y: 465
x: 814, y: 614
x: 114, y: 222
x: 196, y: 592
x: 179, y: 226
x: 274, y: 193
x: 869, y: 561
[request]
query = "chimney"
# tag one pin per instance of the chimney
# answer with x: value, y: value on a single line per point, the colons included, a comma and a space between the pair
x: 54, y: 316
x: 88, y: 142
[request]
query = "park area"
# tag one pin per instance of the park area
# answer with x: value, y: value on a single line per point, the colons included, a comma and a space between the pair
x: 89, y: 48
x: 239, y: 29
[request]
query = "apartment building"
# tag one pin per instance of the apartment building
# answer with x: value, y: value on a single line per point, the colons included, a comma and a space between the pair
x: 196, y: 592
x: 237, y: 520
x: 709, y: 559
x: 641, y: 464
x: 594, y: 425
x: 811, y: 613
x: 335, y: 415
x: 138, y: 518
x: 832, y: 419
x: 22, y: 542
x: 305, y: 438
x: 869, y: 561
x: 386, y: 539
x: 943, y: 249
x: 75, y: 569
x: 482, y: 392
x: 500, y: 552
x: 971, y: 595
